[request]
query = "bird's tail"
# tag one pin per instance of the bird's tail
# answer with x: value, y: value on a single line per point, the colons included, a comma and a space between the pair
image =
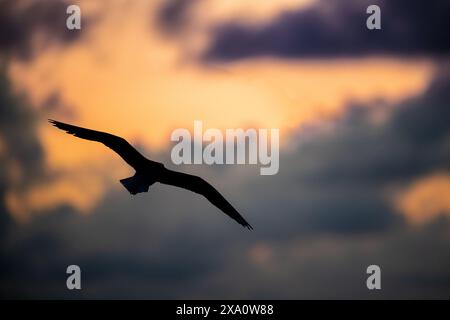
x: 136, y: 184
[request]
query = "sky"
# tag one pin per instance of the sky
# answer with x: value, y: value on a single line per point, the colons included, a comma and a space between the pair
x: 364, y: 175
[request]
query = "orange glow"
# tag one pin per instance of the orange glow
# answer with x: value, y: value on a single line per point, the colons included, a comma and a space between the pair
x: 426, y: 198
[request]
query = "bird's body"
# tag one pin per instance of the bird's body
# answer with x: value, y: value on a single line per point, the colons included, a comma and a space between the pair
x: 149, y: 172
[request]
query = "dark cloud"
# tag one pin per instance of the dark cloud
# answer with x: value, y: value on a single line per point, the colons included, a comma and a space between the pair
x: 57, y: 108
x: 18, y: 133
x: 20, y: 151
x: 413, y: 141
x: 430, y: 128
x: 174, y: 15
x: 22, y: 22
x: 134, y: 253
x: 330, y: 29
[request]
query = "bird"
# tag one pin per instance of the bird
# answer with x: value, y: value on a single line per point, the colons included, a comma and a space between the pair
x: 148, y: 172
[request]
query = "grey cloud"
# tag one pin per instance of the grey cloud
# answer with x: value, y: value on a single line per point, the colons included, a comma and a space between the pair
x: 18, y: 132
x: 57, y: 108
x: 20, y: 149
x: 21, y: 21
x: 331, y: 29
x: 174, y: 15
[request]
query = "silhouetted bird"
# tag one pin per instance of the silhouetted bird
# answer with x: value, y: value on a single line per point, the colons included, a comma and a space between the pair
x: 148, y: 172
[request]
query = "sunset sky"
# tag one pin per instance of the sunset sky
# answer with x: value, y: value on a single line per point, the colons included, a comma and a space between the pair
x: 364, y: 161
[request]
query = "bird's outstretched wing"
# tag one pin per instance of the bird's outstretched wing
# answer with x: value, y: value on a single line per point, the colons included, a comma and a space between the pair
x: 118, y: 144
x: 200, y: 186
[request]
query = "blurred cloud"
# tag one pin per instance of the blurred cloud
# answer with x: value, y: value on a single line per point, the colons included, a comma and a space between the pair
x: 331, y: 29
x: 55, y: 106
x: 425, y: 198
x: 21, y: 151
x: 186, y: 17
x: 28, y: 26
x: 21, y: 145
x: 174, y: 15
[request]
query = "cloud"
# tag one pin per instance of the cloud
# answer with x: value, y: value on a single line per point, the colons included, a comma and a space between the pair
x: 341, y: 182
x: 318, y: 224
x: 174, y: 15
x: 331, y: 29
x: 21, y: 153
x: 22, y: 24
x: 126, y: 250
x: 22, y: 149
x: 55, y: 106
x: 423, y: 199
